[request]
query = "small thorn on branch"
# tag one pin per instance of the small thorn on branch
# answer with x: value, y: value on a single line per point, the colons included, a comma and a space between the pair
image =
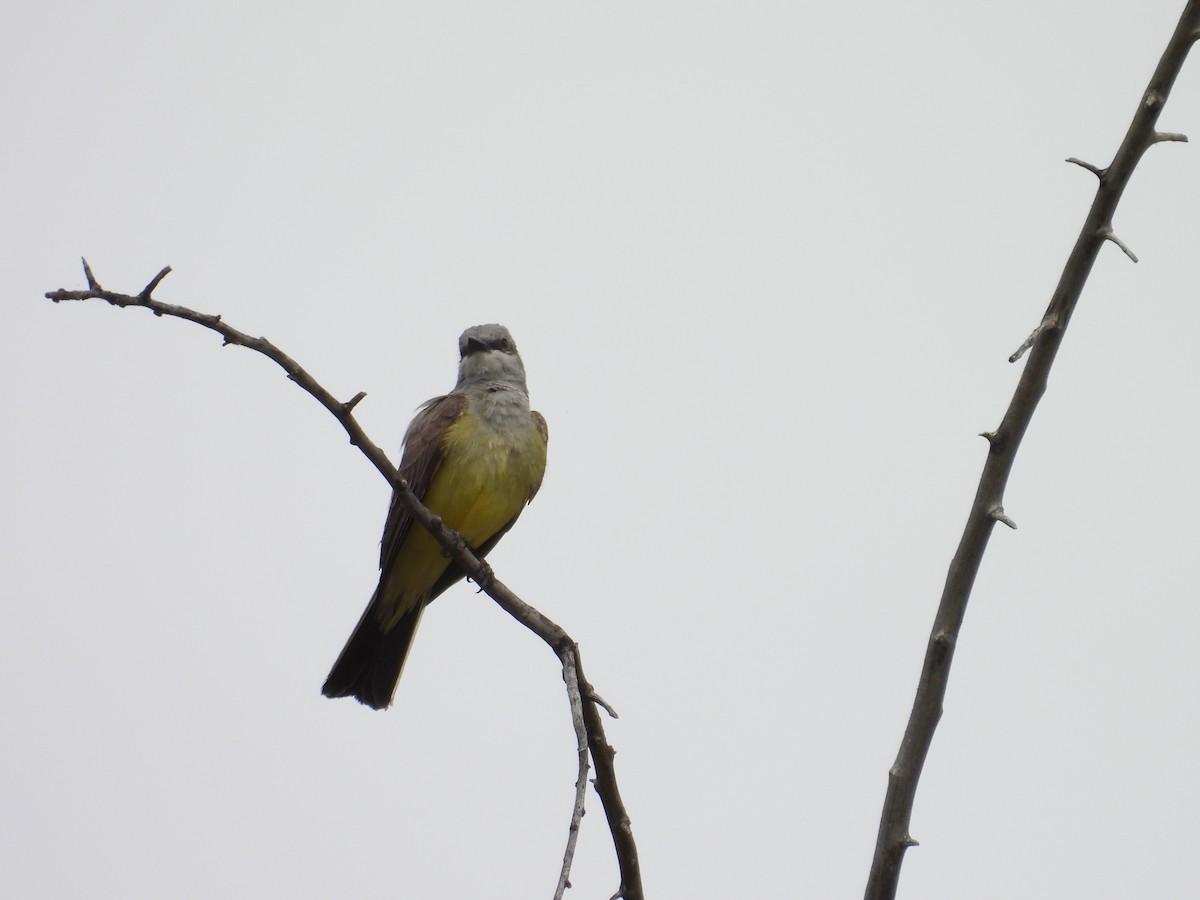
x: 1095, y: 170
x: 353, y: 402
x: 1107, y: 234
x: 93, y: 284
x: 1032, y: 339
x: 910, y: 841
x: 944, y: 641
x: 989, y: 435
x: 1160, y: 136
x: 601, y: 702
x: 999, y: 516
x: 154, y: 282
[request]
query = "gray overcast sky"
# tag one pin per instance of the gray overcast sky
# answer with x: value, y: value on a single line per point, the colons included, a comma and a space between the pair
x: 765, y: 262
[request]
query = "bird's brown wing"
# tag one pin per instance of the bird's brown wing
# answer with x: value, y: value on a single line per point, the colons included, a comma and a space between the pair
x: 423, y: 452
x: 540, y: 421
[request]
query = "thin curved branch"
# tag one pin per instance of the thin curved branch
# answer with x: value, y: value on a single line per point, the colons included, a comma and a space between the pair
x: 584, y: 714
x: 574, y: 695
x: 894, y: 838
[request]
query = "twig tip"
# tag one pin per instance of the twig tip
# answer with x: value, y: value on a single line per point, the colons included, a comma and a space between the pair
x: 1107, y: 234
x: 353, y: 402
x: 154, y: 282
x: 93, y: 284
x: 1095, y: 170
x: 999, y: 515
x: 601, y: 702
x: 1032, y: 339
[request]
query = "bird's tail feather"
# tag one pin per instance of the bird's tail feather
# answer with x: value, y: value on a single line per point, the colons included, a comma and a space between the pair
x: 370, y: 664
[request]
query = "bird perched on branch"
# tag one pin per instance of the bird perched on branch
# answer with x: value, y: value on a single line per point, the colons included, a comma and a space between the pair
x: 475, y: 458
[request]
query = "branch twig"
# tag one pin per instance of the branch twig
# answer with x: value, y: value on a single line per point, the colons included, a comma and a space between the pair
x: 584, y: 700
x: 575, y: 697
x: 894, y: 838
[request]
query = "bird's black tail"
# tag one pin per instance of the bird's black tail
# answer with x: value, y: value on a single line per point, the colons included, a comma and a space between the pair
x: 370, y: 664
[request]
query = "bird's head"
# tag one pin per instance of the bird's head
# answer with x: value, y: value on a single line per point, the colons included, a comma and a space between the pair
x: 489, y: 353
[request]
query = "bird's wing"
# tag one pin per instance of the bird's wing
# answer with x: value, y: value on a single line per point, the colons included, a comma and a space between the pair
x: 423, y: 452
x: 540, y: 421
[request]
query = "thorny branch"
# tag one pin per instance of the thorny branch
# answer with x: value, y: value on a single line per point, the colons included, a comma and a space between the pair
x: 589, y: 727
x: 894, y: 838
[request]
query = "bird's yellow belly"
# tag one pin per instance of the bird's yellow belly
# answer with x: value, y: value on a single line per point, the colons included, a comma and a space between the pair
x: 484, y: 480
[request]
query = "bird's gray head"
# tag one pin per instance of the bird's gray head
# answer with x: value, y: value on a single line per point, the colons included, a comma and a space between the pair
x: 489, y: 353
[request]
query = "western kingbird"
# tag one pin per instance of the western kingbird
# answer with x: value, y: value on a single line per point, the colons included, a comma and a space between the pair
x: 474, y: 457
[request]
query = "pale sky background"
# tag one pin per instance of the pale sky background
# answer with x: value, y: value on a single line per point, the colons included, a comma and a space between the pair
x: 765, y: 263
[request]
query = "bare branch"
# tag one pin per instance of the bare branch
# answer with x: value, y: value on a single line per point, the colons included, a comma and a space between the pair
x: 477, y: 570
x: 232, y: 336
x: 987, y: 509
x: 575, y: 698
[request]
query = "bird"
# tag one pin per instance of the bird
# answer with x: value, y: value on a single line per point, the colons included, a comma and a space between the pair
x: 475, y: 457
